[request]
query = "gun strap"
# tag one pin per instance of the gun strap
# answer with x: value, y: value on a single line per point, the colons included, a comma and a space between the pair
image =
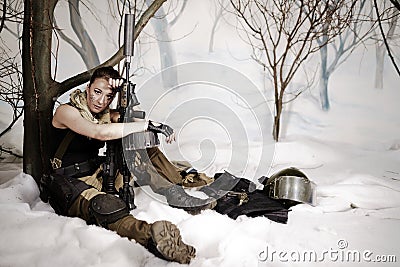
x: 56, y: 161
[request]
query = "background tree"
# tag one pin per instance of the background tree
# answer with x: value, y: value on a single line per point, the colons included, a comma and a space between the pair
x: 39, y: 87
x: 396, y: 4
x: 86, y: 49
x: 283, y: 35
x: 162, y: 26
x: 220, y: 8
x: 387, y: 16
x: 354, y: 33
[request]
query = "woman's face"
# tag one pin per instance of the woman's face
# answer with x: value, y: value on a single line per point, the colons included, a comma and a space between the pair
x: 99, y: 95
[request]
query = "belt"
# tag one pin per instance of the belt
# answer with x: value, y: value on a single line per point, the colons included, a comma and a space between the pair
x: 85, y: 167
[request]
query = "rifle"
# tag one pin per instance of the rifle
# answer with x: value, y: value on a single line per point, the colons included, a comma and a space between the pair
x: 115, y: 158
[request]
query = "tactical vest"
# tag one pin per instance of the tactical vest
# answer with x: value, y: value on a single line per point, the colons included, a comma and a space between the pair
x: 79, y: 149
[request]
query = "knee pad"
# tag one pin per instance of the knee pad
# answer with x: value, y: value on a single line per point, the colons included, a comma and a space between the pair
x: 61, y: 191
x: 107, y: 208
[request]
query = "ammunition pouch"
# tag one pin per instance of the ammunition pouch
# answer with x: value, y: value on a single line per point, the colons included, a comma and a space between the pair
x: 61, y: 191
x: 107, y: 208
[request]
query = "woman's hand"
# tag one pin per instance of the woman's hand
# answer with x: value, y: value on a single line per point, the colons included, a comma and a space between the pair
x: 164, y: 129
x: 115, y: 83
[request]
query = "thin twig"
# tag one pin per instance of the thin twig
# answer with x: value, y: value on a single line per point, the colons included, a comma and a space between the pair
x: 10, y: 152
x: 3, y: 18
x: 384, y: 38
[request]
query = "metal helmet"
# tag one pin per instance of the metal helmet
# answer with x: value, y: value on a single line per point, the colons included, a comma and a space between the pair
x: 291, y: 186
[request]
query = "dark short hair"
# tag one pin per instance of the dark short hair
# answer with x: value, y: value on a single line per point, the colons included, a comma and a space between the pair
x: 104, y: 73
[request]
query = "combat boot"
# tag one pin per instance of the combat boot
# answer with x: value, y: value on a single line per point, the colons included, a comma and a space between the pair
x: 178, y: 198
x: 166, y: 243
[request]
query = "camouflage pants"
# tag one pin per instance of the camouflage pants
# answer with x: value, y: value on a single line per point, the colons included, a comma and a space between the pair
x: 162, y: 172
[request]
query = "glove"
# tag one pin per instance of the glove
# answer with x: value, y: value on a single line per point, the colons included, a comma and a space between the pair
x: 161, y: 128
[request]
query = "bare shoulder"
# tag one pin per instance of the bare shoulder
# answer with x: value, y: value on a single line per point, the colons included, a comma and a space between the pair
x: 67, y: 116
x: 66, y: 110
x: 64, y: 113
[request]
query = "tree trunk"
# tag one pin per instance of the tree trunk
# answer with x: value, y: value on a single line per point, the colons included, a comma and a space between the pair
x: 37, y: 85
x: 380, y: 60
x: 214, y: 28
x: 277, y: 122
x: 324, y: 78
x: 323, y: 91
x: 118, y: 56
x: 87, y: 50
x: 277, y: 118
x: 167, y: 53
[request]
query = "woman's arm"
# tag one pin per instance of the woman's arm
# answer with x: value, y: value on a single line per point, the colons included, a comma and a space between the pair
x: 67, y: 116
x: 170, y: 136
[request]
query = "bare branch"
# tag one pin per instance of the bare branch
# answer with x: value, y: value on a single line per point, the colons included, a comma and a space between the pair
x: 384, y: 38
x: 11, y: 86
x: 10, y: 152
x: 396, y: 3
x: 63, y: 36
x: 172, y: 23
x: 118, y: 56
x: 3, y: 17
x: 284, y: 33
x: 87, y: 50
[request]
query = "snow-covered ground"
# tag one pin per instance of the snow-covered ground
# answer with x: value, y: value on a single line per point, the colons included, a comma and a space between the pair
x: 351, y: 152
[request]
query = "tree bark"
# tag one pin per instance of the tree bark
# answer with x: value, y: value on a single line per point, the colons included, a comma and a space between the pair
x: 37, y: 85
x: 277, y: 119
x: 279, y: 93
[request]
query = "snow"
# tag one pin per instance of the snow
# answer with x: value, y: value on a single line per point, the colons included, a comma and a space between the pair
x: 351, y: 152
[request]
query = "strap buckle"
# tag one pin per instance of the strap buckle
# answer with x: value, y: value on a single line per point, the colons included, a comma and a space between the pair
x: 55, y: 163
x: 242, y: 196
x: 77, y: 167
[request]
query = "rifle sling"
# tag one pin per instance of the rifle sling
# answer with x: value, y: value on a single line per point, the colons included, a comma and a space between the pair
x: 56, y: 161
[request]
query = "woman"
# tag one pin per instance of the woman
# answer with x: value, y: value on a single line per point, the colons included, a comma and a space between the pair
x: 89, y: 122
